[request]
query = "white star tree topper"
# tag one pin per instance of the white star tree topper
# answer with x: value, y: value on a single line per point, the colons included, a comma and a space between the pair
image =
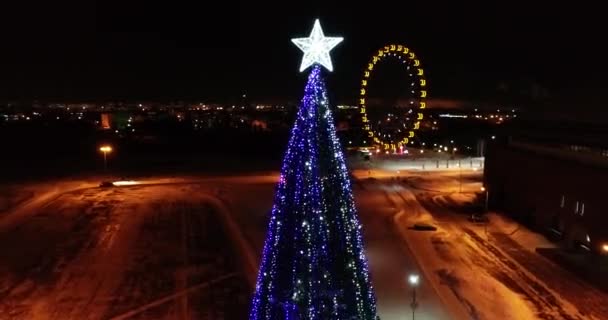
x: 316, y: 48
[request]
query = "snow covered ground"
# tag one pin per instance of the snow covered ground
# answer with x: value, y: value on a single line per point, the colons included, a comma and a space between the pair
x: 148, y: 251
x: 390, y: 259
x: 137, y: 252
x: 488, y: 271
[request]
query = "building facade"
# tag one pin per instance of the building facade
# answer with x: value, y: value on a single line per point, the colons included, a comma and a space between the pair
x: 555, y: 188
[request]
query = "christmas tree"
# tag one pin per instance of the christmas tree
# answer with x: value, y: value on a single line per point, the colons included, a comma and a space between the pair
x: 313, y: 265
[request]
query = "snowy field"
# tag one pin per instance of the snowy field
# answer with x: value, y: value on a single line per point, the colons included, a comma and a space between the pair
x: 140, y: 252
x: 161, y: 250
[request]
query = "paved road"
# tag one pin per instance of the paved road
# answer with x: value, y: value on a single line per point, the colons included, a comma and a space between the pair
x: 390, y: 258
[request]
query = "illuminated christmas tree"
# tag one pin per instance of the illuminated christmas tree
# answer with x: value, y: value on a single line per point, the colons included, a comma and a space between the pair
x: 313, y: 264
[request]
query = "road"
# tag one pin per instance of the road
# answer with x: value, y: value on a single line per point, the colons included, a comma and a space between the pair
x: 390, y: 258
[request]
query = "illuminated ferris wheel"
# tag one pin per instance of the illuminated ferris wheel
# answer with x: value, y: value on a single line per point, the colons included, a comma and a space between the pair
x: 392, y: 125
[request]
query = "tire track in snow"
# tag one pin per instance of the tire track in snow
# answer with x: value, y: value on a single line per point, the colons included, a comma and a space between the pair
x: 508, y: 272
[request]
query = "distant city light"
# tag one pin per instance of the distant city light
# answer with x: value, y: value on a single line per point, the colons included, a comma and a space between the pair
x: 347, y: 107
x: 448, y: 115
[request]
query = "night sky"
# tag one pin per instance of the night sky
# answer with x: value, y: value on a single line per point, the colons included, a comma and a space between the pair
x: 218, y: 51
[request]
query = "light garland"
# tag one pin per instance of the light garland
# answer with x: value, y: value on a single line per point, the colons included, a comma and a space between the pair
x: 313, y: 264
x: 419, y: 89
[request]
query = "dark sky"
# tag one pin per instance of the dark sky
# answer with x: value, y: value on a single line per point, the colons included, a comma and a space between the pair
x: 219, y: 50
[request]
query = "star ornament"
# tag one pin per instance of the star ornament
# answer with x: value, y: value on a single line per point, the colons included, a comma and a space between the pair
x: 316, y: 48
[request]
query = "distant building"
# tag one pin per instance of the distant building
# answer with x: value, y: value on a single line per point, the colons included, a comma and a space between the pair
x: 259, y: 125
x: 342, y: 126
x: 558, y: 184
x: 106, y: 121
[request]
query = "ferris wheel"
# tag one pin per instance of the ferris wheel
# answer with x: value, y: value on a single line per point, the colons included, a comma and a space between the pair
x: 393, y: 127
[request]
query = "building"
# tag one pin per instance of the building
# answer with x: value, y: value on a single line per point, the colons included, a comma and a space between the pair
x: 560, y: 186
x: 106, y: 121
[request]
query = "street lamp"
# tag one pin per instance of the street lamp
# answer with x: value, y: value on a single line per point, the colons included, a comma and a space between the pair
x: 105, y: 149
x: 483, y: 189
x: 459, y: 175
x: 413, y: 279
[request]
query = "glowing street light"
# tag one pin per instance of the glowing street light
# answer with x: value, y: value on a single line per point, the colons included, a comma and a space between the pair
x: 105, y: 149
x: 605, y: 247
x: 413, y: 279
x: 484, y: 190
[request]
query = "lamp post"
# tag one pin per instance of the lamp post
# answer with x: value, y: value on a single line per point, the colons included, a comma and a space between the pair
x: 459, y: 176
x: 483, y: 189
x: 105, y: 149
x: 413, y: 280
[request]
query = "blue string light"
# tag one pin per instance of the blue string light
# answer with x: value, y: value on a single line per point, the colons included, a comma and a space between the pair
x: 313, y: 264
